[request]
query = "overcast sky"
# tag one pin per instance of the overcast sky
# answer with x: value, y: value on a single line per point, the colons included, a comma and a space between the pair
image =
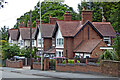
x: 15, y: 8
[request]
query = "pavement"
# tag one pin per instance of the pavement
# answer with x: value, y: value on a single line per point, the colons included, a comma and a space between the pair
x: 54, y: 74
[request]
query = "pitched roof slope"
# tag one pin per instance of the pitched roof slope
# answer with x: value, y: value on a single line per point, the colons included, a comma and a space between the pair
x: 25, y: 32
x: 13, y: 33
x: 87, y: 46
x: 105, y: 28
x: 68, y: 28
x: 47, y: 30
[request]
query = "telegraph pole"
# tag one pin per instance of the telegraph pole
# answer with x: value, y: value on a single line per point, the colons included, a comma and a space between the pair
x: 41, y: 39
x: 31, y: 61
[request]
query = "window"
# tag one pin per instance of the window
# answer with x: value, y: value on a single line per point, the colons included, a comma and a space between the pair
x: 107, y: 40
x: 21, y: 42
x: 60, y: 41
x: 32, y: 42
x: 39, y: 41
x: 59, y: 53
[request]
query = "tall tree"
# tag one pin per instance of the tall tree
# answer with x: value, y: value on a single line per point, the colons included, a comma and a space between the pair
x: 53, y: 9
x: 3, y: 32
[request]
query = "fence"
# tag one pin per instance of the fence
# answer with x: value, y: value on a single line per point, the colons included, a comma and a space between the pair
x: 14, y: 64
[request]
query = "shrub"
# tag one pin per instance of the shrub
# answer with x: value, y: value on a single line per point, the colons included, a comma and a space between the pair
x: 63, y: 62
x: 78, y: 61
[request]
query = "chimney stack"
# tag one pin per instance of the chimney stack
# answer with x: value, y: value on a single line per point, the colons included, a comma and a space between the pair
x: 86, y: 15
x: 67, y: 16
x: 52, y: 20
x: 21, y: 24
x: 103, y: 19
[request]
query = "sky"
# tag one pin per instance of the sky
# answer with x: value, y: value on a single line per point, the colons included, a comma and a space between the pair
x: 16, y: 8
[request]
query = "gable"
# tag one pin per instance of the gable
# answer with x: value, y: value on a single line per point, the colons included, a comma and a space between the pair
x: 90, y: 24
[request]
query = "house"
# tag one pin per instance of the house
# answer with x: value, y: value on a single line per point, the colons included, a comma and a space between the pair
x: 24, y: 37
x: 21, y: 36
x: 82, y: 38
x: 48, y: 46
x: 13, y: 35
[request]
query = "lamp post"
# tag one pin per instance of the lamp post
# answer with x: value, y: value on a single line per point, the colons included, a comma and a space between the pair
x: 40, y: 29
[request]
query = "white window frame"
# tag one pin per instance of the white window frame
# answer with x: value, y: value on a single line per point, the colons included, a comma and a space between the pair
x: 107, y: 39
x: 60, y: 41
x: 59, y: 53
x: 33, y: 42
x: 21, y: 42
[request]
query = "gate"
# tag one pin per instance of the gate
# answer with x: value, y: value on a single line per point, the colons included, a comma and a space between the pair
x: 51, y: 64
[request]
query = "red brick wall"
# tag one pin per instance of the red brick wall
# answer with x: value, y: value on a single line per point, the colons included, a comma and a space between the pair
x: 79, y: 68
x: 86, y: 15
x: 37, y: 66
x: 97, y: 51
x: 68, y: 45
x: 111, y: 68
x: 93, y: 34
x: 14, y: 64
x: 78, y: 38
x: 47, y: 43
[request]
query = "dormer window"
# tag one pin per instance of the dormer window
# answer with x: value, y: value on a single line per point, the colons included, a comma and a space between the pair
x: 39, y: 41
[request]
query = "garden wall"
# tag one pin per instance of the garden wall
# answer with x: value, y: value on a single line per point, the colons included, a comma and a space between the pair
x: 37, y: 65
x: 14, y: 64
x: 110, y: 67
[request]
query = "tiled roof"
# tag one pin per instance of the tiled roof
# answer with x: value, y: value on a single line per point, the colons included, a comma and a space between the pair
x: 47, y: 30
x: 87, y: 46
x: 105, y: 28
x: 25, y: 32
x: 13, y: 33
x: 51, y: 50
x: 68, y: 28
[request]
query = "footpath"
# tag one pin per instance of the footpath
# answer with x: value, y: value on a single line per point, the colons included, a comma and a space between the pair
x: 55, y: 74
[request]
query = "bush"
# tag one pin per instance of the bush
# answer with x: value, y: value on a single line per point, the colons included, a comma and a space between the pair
x: 78, y: 61
x: 63, y: 62
x: 71, y: 61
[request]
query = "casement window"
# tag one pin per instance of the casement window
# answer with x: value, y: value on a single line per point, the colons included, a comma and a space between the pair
x: 39, y: 41
x: 21, y: 42
x: 60, y: 41
x: 107, y: 40
x: 59, y: 53
x: 32, y: 42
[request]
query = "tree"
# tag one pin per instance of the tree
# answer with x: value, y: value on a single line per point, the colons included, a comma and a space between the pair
x: 116, y: 45
x: 9, y: 51
x: 4, y: 32
x: 53, y: 9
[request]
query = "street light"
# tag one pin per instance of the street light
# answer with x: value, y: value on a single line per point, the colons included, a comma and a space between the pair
x: 40, y: 29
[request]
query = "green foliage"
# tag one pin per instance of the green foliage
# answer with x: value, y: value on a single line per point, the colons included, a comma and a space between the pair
x: 109, y: 55
x: 9, y: 51
x: 116, y: 45
x: 78, y: 61
x: 54, y: 9
x: 63, y: 62
x: 4, y: 32
x: 70, y: 61
x: 110, y: 9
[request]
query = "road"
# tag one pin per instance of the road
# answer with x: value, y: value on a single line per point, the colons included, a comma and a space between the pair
x: 51, y: 75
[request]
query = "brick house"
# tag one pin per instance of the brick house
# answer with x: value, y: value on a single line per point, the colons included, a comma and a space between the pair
x: 82, y: 38
x: 47, y: 29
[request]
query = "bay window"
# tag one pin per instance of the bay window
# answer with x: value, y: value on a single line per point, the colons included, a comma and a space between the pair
x: 60, y: 41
